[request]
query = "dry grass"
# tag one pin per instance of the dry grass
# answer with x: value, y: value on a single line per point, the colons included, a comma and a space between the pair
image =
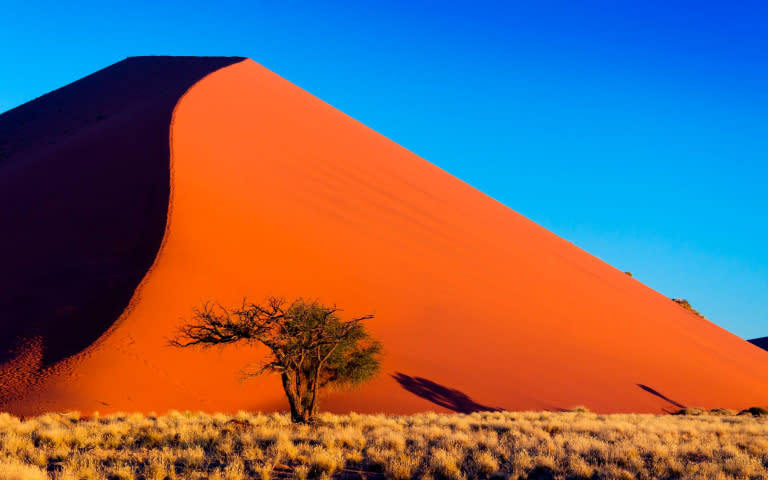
x: 569, y: 445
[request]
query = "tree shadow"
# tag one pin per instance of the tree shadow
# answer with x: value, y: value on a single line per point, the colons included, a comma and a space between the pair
x: 661, y: 396
x: 441, y: 395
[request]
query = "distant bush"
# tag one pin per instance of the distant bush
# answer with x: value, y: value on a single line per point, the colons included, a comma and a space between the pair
x: 687, y: 305
x: 755, y: 412
x: 722, y: 412
x: 691, y: 411
x: 579, y: 409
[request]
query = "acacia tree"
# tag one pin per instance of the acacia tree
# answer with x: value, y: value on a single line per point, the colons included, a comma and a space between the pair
x: 310, y: 346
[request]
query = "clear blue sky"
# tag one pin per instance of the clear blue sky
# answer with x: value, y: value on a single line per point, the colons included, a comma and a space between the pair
x: 636, y: 129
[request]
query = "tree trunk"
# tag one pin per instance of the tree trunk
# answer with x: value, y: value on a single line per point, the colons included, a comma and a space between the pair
x: 309, y: 397
x: 293, y: 399
x: 314, y: 404
x: 299, y: 391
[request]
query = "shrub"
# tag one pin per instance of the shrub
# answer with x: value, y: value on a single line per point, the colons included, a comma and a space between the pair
x: 686, y: 305
x: 755, y: 412
x: 722, y: 412
x: 579, y: 409
x: 691, y: 411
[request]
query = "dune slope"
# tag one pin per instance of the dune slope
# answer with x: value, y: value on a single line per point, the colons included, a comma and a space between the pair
x: 274, y: 192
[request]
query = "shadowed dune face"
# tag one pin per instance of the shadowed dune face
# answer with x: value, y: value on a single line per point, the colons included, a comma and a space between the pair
x: 277, y: 193
x: 84, y: 188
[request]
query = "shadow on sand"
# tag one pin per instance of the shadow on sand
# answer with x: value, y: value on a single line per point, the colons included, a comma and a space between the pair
x: 441, y: 395
x: 661, y: 396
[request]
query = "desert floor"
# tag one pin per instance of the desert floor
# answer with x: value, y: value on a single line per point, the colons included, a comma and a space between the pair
x: 514, y: 445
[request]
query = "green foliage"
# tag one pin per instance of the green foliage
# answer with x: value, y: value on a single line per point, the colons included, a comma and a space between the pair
x: 351, y: 356
x: 311, y: 347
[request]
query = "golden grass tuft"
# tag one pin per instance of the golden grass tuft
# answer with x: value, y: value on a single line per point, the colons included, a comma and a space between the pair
x: 16, y: 470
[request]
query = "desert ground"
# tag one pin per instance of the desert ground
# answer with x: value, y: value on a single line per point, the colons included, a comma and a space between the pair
x: 503, y: 445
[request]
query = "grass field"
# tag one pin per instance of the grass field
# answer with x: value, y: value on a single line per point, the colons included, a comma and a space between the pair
x: 515, y: 445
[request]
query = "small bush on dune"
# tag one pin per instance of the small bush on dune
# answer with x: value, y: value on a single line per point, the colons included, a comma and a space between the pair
x: 687, y: 305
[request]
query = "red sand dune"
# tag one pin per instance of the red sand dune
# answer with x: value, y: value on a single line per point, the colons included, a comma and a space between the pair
x: 274, y: 192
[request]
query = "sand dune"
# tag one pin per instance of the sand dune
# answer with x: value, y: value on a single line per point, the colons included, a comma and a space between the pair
x: 274, y: 192
x: 761, y: 342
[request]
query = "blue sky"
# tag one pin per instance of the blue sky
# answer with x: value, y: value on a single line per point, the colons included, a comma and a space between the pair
x: 636, y: 129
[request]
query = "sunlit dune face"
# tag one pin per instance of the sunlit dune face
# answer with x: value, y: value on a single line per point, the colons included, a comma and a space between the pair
x: 276, y: 193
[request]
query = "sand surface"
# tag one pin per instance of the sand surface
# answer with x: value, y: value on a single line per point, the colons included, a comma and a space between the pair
x: 274, y: 192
